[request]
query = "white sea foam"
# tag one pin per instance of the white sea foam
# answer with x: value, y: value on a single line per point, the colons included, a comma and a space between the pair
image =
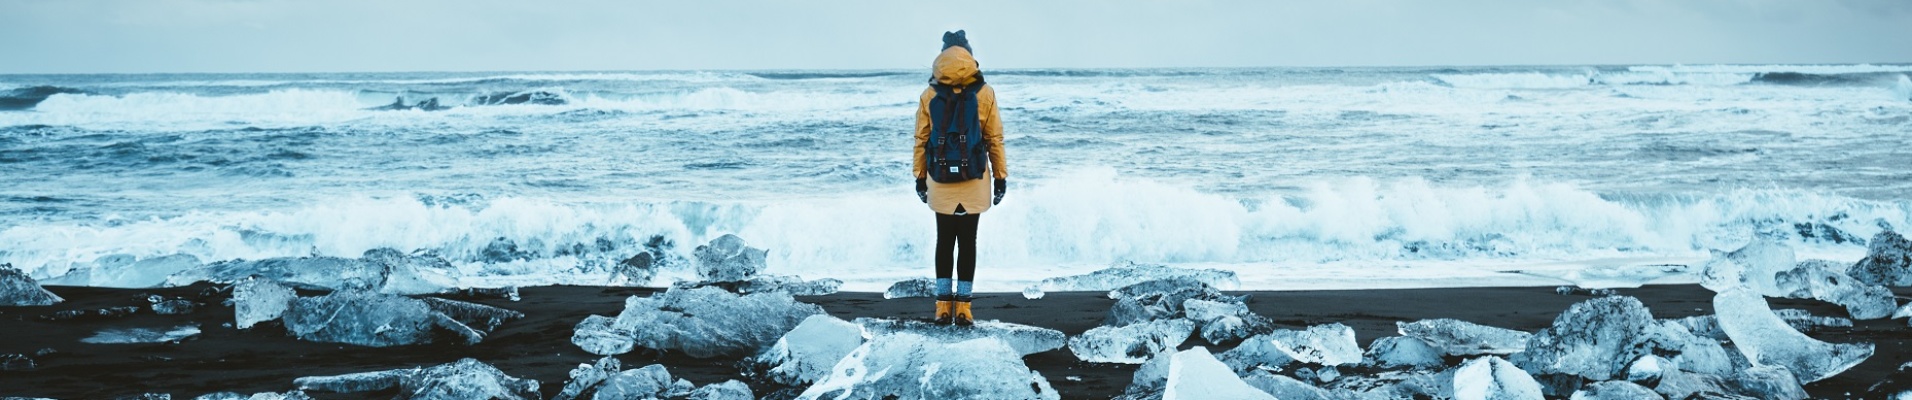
x: 1087, y: 218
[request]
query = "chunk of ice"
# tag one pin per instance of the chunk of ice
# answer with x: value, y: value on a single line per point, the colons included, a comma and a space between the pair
x: 650, y: 382
x: 1162, y: 299
x: 1615, y: 390
x: 793, y: 285
x: 1024, y: 338
x: 259, y: 300
x: 728, y: 259
x: 1130, y: 344
x: 1130, y: 273
x: 912, y: 366
x: 142, y: 335
x: 918, y: 287
x: 1767, y: 340
x: 1402, y: 351
x: 1822, y: 280
x: 163, y: 306
x: 1491, y: 378
x: 701, y: 322
x: 1285, y: 388
x: 808, y: 351
x: 1596, y: 339
x: 288, y: 395
x: 726, y: 390
x: 1461, y: 338
x: 382, y: 270
x: 1330, y: 344
x: 1195, y: 374
x: 463, y: 379
x: 1612, y: 276
x: 360, y: 318
x: 1225, y: 321
x: 1888, y: 261
x: 127, y: 271
x: 588, y: 376
x: 635, y: 271
x: 600, y: 335
x: 1769, y: 382
x: 18, y: 289
x: 1754, y: 266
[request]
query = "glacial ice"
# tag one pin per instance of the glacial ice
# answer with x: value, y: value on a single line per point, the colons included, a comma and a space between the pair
x: 1615, y: 390
x: 1800, y: 320
x: 1491, y: 378
x: 728, y: 259
x: 260, y: 301
x: 1130, y: 273
x: 18, y: 289
x: 142, y: 335
x: 726, y: 390
x: 1330, y: 344
x: 1755, y: 266
x: 588, y: 376
x: 650, y: 382
x: 701, y: 322
x: 126, y: 271
x: 1024, y: 339
x: 793, y: 285
x: 1224, y: 321
x: 1769, y: 382
x: 464, y: 379
x: 1647, y: 368
x: 1888, y: 261
x: 1767, y: 340
x: 1597, y: 339
x: 1461, y: 338
x: 1410, y: 384
x: 382, y: 270
x: 1149, y: 378
x: 1612, y: 276
x: 165, y: 306
x: 381, y: 320
x: 1285, y: 388
x: 912, y: 366
x: 1402, y: 351
x: 1194, y: 374
x: 918, y: 287
x: 288, y: 395
x: 636, y: 271
x: 1679, y: 384
x: 808, y: 351
x: 1822, y: 280
x: 1130, y: 344
x: 1161, y: 299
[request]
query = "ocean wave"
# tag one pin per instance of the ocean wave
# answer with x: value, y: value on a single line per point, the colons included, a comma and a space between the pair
x: 1091, y: 216
x: 1754, y: 69
x: 22, y: 98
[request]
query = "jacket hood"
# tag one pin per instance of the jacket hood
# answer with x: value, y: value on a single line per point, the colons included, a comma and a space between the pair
x: 955, y: 67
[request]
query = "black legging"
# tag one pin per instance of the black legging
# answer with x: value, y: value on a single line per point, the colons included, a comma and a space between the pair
x: 956, y: 233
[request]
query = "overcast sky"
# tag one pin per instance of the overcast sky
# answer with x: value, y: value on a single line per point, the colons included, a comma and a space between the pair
x: 83, y: 36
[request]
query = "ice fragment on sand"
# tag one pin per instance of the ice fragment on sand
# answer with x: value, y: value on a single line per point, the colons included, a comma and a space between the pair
x: 807, y: 352
x: 1130, y: 344
x: 288, y: 395
x: 919, y: 287
x: 18, y: 289
x: 1032, y: 293
x: 1220, y: 321
x: 1403, y: 351
x: 1767, y: 340
x: 1161, y: 299
x: 1491, y: 378
x: 1195, y: 374
x: 1769, y: 382
x: 1753, y: 266
x: 126, y: 271
x: 1285, y: 388
x: 1888, y: 261
x: 908, y: 365
x: 382, y: 270
x: 1129, y: 273
x: 1615, y: 390
x: 1461, y: 338
x: 464, y: 379
x: 726, y: 390
x: 650, y: 382
x: 1024, y: 339
x: 728, y: 259
x: 1822, y: 280
x: 793, y: 285
x: 1331, y: 344
x: 381, y: 320
x: 701, y: 322
x: 588, y: 376
x: 165, y: 306
x: 259, y: 300
x: 1596, y: 339
x: 636, y: 271
x: 142, y: 335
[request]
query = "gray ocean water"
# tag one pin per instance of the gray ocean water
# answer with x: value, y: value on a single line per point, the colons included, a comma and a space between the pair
x: 545, y: 177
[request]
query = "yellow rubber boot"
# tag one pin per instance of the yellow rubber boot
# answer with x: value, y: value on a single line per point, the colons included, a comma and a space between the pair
x: 963, y: 317
x: 945, y: 313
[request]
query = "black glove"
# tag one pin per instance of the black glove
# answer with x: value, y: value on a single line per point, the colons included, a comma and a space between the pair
x: 1002, y: 185
x: 922, y: 190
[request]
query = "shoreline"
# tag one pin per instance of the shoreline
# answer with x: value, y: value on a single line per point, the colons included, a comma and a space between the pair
x: 266, y: 359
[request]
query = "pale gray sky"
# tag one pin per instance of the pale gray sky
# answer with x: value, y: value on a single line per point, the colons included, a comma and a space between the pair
x: 84, y: 36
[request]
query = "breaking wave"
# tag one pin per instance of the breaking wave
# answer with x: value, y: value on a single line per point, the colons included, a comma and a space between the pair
x: 1092, y: 216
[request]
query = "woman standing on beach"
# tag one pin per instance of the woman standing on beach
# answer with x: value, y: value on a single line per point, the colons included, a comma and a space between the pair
x: 958, y: 145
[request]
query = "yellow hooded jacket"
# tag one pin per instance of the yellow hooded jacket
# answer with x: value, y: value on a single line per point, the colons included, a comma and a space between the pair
x: 956, y: 67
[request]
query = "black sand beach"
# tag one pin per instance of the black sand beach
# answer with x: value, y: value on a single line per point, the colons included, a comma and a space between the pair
x: 265, y: 359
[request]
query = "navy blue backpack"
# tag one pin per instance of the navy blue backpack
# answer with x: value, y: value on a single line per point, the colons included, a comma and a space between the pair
x: 955, y: 151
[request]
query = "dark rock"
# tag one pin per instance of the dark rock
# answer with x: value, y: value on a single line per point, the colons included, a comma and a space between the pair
x: 1888, y: 261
